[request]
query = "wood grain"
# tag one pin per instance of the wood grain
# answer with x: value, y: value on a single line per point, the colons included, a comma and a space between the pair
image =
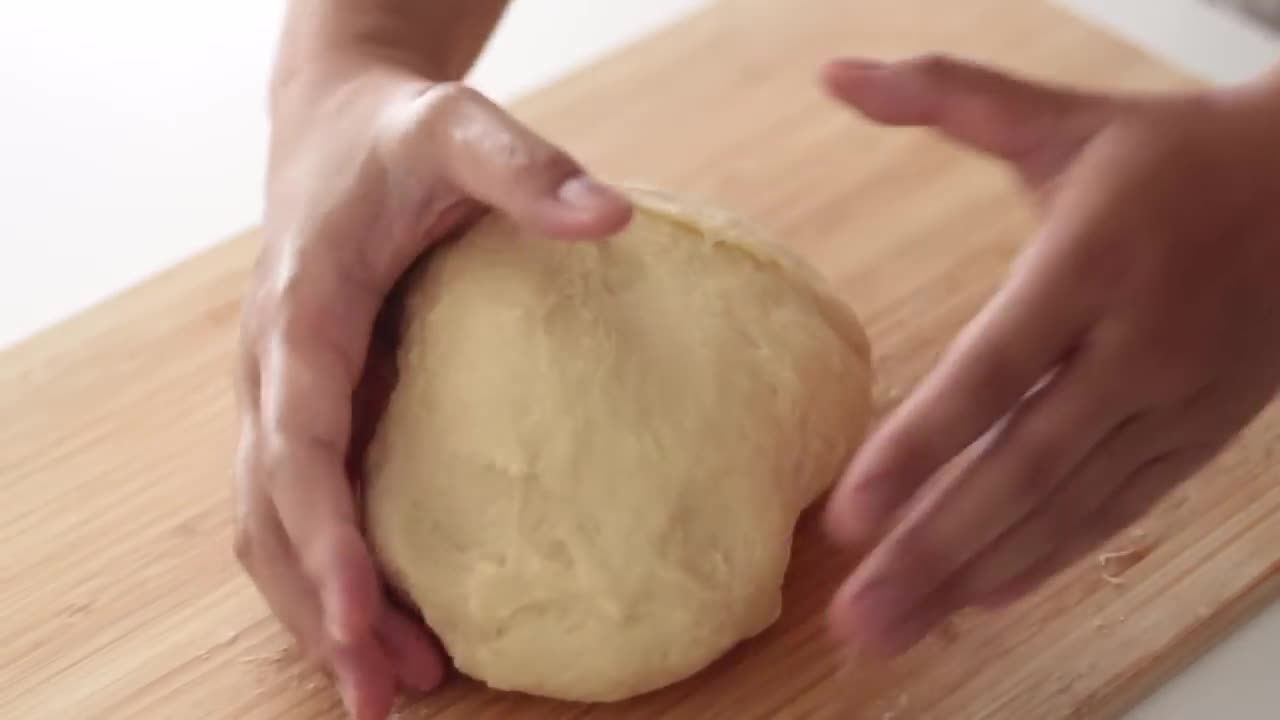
x: 121, y: 598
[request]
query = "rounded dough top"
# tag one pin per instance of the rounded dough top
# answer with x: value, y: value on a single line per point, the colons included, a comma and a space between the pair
x: 589, y: 472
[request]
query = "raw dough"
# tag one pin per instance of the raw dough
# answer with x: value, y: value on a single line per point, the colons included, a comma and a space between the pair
x: 590, y: 470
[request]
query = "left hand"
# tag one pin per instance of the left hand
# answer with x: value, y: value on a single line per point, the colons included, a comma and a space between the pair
x: 1133, y: 339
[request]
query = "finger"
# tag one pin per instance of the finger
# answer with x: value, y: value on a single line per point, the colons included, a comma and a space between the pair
x: 893, y: 641
x: 1042, y: 442
x: 495, y: 159
x: 1143, y: 489
x: 310, y: 361
x: 416, y: 659
x: 1147, y: 485
x: 361, y: 668
x: 1022, y: 334
x: 1034, y: 126
x: 264, y: 551
x: 365, y: 679
x: 314, y: 502
x: 1072, y: 506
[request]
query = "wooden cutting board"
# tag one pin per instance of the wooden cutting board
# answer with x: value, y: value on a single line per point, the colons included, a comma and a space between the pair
x: 120, y: 597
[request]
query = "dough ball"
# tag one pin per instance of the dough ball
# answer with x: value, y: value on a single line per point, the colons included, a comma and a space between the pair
x: 590, y: 470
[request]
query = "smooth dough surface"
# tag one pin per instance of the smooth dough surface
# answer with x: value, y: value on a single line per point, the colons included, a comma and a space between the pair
x: 589, y: 472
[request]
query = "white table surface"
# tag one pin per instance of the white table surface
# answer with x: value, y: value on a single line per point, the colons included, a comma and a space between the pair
x: 137, y: 138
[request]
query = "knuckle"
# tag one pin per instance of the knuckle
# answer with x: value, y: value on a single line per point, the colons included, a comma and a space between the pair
x: 242, y: 539
x: 903, y: 449
x: 286, y: 290
x: 292, y: 453
x: 446, y: 97
x: 242, y: 545
x: 275, y: 461
x: 257, y: 311
x: 553, y: 164
x: 1104, y: 271
x: 992, y: 378
x: 278, y: 308
x: 1169, y: 370
x: 312, y: 296
x: 1035, y: 464
x: 248, y: 379
x: 918, y: 557
x: 1053, y: 531
x: 441, y: 105
x: 246, y: 460
x: 503, y: 141
x: 424, y: 126
x: 516, y: 157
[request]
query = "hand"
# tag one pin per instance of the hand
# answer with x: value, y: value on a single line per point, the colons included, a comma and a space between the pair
x: 353, y: 200
x: 1133, y: 339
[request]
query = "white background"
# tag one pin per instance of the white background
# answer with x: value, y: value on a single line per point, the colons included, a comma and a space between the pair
x: 132, y: 134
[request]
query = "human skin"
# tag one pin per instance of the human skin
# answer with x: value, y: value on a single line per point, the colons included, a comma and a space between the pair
x: 375, y: 153
x: 1144, y: 298
x: 1134, y: 337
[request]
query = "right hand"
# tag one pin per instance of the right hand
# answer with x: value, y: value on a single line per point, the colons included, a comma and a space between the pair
x: 363, y: 179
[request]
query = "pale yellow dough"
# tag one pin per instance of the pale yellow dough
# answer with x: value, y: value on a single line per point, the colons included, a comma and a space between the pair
x: 589, y: 473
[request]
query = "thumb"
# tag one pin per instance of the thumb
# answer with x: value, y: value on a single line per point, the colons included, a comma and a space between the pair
x: 470, y: 142
x: 1036, y: 128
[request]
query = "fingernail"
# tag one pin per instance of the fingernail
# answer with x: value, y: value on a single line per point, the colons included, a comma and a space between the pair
x: 584, y: 193
x: 851, y: 519
x: 839, y: 529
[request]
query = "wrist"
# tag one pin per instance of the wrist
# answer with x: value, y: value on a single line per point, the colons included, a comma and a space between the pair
x: 335, y: 86
x: 329, y: 45
x: 322, y: 124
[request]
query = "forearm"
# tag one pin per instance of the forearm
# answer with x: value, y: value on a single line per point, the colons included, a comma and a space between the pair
x: 328, y: 43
